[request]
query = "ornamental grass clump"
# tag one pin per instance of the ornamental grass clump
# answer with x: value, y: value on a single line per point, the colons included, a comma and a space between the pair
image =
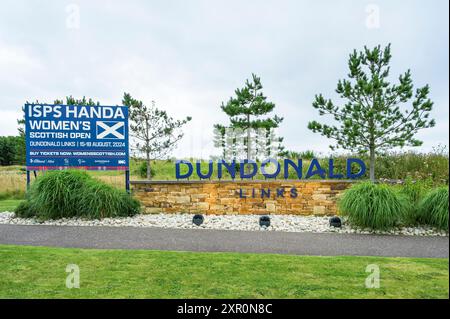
x: 374, y: 206
x: 52, y: 195
x: 99, y: 200
x: 433, y: 209
x: 414, y: 192
x: 70, y: 193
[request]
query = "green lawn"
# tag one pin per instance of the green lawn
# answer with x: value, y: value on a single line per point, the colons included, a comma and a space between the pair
x: 8, y: 205
x: 39, y: 272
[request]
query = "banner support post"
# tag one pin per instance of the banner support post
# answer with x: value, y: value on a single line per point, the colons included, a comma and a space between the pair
x: 28, y: 179
x: 127, y: 181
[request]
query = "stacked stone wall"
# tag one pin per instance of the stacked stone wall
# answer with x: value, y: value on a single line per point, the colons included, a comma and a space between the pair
x: 312, y: 197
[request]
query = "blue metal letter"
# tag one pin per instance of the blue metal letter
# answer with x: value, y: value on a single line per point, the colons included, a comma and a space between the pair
x: 265, y: 193
x: 298, y: 168
x: 230, y: 167
x: 242, y: 168
x: 331, y: 170
x: 263, y: 169
x: 280, y: 192
x: 294, y: 193
x: 177, y: 169
x: 361, y: 163
x: 311, y: 171
x: 198, y: 166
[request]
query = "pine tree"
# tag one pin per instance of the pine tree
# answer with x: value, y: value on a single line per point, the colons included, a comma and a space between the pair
x: 371, y: 119
x: 155, y: 133
x: 247, y: 110
x: 219, y: 140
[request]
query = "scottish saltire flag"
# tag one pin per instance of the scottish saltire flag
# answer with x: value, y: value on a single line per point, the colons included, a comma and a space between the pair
x: 110, y: 130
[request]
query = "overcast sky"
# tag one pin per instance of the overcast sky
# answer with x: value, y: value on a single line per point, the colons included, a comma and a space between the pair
x: 189, y: 56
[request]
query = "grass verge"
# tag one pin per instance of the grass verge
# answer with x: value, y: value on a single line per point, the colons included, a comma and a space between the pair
x: 39, y: 272
x: 9, y: 205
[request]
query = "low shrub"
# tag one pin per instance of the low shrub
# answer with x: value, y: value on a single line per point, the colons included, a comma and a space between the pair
x: 433, y: 209
x: 64, y: 194
x: 370, y: 205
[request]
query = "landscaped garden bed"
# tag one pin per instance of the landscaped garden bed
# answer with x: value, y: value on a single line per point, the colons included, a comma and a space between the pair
x: 286, y: 223
x: 72, y: 198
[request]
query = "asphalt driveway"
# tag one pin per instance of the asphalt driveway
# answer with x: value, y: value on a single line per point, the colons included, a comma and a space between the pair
x: 325, y: 244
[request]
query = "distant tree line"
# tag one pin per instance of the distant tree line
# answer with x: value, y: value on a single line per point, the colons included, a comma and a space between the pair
x: 12, y: 150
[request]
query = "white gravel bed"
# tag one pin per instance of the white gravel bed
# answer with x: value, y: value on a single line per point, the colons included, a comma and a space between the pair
x: 286, y: 223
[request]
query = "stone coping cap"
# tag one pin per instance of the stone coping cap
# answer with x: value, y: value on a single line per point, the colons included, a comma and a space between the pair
x: 239, y: 181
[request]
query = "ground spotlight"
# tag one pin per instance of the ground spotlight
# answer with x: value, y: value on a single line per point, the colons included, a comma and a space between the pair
x: 335, y: 222
x: 264, y: 221
x: 198, y: 220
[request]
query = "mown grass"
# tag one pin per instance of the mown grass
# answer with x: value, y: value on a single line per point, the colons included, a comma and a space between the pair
x: 9, y: 205
x: 39, y: 272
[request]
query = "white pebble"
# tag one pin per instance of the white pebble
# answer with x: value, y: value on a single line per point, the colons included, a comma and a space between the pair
x: 286, y: 223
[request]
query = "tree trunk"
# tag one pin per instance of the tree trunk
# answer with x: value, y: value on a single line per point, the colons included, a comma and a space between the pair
x: 372, y: 164
x: 248, y: 144
x: 248, y: 138
x: 147, y: 147
x: 149, y: 175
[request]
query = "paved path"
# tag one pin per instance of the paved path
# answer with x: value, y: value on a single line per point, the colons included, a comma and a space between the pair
x: 225, y: 241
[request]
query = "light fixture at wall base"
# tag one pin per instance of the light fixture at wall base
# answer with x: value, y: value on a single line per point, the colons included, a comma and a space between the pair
x: 264, y: 221
x: 198, y: 219
x: 335, y: 222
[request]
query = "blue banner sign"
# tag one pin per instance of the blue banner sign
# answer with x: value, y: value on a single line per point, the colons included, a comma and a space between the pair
x: 76, y: 136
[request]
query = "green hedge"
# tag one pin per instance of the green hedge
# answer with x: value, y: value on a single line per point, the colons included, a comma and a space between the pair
x: 64, y: 194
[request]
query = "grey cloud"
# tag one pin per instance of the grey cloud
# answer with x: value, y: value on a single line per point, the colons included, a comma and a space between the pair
x: 189, y: 56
